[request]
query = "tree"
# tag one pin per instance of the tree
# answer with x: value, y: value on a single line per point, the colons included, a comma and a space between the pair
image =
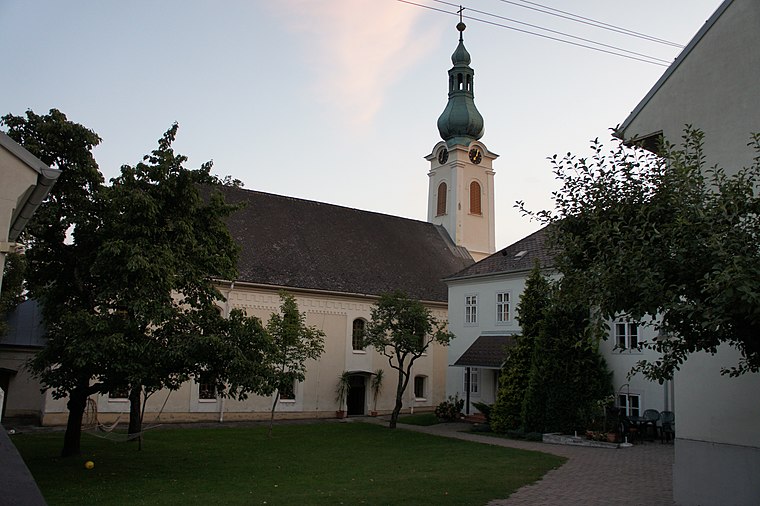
x: 663, y: 236
x: 403, y: 329
x: 124, y: 272
x: 162, y: 245
x: 293, y: 343
x: 567, y: 375
x: 62, y: 245
x: 506, y: 413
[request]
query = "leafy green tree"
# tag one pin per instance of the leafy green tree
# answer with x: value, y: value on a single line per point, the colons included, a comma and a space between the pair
x: 293, y: 343
x: 162, y: 245
x: 62, y: 244
x: 645, y: 235
x: 506, y: 413
x: 403, y: 329
x: 567, y: 374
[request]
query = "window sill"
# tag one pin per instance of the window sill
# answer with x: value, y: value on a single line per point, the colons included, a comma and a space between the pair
x: 118, y: 400
x: 420, y: 399
x: 288, y: 401
x: 359, y: 352
x: 208, y: 401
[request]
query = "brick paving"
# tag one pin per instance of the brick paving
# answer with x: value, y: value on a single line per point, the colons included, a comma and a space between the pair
x: 640, y: 475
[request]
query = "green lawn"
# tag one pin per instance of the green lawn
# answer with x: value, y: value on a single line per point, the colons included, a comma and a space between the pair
x: 420, y: 419
x: 320, y: 463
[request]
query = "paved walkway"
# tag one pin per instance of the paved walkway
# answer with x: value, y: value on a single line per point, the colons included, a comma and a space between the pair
x: 640, y: 475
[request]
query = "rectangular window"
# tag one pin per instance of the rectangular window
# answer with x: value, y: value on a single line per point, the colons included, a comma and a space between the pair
x: 502, y: 307
x: 630, y: 404
x: 118, y: 394
x: 472, y: 381
x: 419, y: 387
x: 471, y: 309
x: 288, y: 391
x: 626, y: 336
x: 206, y: 391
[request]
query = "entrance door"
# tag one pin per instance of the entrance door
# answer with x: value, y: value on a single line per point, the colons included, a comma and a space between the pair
x: 357, y: 392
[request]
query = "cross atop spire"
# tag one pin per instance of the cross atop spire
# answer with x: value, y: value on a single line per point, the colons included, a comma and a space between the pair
x: 461, y: 26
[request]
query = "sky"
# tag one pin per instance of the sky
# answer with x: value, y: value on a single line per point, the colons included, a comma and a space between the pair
x: 337, y: 100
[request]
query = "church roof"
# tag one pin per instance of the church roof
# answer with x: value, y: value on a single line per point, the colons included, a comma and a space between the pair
x: 517, y: 257
x: 298, y: 243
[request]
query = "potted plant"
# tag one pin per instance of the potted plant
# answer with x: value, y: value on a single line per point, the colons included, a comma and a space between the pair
x: 341, y: 392
x: 376, y: 384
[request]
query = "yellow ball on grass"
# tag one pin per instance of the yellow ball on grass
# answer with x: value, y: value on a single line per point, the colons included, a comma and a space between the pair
x: 89, y: 464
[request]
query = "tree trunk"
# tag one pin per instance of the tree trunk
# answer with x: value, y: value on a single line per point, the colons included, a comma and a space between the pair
x: 73, y: 436
x: 271, y: 417
x: 135, y: 421
x: 399, y: 397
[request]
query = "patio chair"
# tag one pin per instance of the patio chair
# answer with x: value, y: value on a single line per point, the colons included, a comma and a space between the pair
x: 667, y: 426
x: 649, y: 427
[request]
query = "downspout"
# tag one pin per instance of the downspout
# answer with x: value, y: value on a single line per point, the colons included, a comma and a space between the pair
x: 467, y: 390
x: 227, y: 310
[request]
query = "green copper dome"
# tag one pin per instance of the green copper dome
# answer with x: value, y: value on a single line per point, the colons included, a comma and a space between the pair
x: 460, y: 122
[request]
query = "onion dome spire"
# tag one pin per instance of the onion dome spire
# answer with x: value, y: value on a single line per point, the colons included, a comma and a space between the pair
x: 460, y: 122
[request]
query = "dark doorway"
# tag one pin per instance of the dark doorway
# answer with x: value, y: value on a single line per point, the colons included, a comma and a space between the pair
x: 357, y: 392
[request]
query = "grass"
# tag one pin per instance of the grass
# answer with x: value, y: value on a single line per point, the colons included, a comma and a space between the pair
x: 313, y: 464
x: 420, y: 419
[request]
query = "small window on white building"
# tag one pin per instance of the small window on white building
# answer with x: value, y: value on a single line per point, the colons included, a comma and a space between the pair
x: 288, y: 391
x: 474, y: 379
x: 207, y: 391
x: 419, y: 387
x: 471, y: 309
x: 118, y: 394
x: 357, y: 335
x: 502, y: 307
x: 630, y: 404
x: 626, y: 336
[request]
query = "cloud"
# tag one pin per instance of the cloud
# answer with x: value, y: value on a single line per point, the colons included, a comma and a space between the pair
x: 358, y: 48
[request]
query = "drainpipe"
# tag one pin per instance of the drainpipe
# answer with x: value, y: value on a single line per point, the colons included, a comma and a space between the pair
x: 467, y: 388
x: 227, y: 310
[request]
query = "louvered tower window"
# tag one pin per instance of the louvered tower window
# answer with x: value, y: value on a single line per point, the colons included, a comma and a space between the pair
x: 441, y: 207
x: 475, y: 198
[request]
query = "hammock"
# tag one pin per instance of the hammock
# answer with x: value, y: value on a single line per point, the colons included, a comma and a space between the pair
x: 92, y: 426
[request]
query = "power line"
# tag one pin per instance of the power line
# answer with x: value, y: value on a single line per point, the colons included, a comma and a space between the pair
x: 561, y: 33
x: 646, y: 59
x: 592, y: 22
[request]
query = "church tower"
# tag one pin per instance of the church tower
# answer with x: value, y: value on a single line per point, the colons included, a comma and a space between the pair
x: 460, y: 195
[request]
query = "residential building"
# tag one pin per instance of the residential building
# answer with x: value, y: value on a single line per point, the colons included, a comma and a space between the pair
x: 713, y: 86
x: 26, y: 182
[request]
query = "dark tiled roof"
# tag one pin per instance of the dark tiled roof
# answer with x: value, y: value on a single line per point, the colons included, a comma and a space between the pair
x: 512, y: 258
x: 305, y: 244
x: 486, y: 351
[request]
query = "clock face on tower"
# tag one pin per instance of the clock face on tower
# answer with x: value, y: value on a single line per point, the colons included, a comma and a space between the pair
x: 476, y: 155
x: 443, y: 156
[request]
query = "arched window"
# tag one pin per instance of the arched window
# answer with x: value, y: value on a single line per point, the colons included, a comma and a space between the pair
x: 475, y: 198
x: 441, y: 208
x: 357, y: 335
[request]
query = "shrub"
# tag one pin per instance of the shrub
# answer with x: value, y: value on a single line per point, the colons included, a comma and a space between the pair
x: 450, y: 409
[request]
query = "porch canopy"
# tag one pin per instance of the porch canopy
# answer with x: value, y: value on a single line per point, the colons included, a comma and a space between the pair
x: 488, y: 352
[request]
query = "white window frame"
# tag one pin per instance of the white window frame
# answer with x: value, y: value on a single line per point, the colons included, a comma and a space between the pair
x: 471, y: 310
x: 353, y: 349
x: 624, y: 402
x: 626, y: 333
x: 501, y: 317
x: 475, y: 378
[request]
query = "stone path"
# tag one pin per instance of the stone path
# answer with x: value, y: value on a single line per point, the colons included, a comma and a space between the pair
x: 640, y: 475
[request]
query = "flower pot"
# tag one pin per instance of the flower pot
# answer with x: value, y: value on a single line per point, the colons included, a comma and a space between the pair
x: 612, y: 437
x: 373, y: 413
x: 340, y: 414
